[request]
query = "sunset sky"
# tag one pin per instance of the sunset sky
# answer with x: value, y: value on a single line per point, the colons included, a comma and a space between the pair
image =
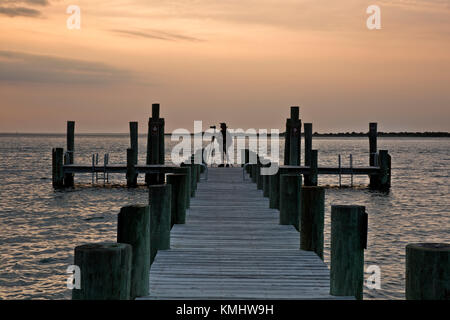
x: 244, y: 62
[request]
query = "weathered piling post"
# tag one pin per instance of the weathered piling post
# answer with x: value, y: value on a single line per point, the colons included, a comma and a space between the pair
x: 266, y: 183
x: 373, y: 151
x: 155, y: 145
x: 348, y: 241
x: 259, y: 177
x: 308, y: 143
x: 274, y: 194
x: 312, y: 219
x: 192, y: 178
x: 134, y: 140
x: 311, y: 178
x: 186, y: 170
x: 179, y: 190
x: 160, y: 198
x: 290, y: 199
x: 428, y: 271
x: 57, y: 168
x: 295, y: 137
x: 133, y: 227
x: 247, y: 159
x: 105, y: 271
x: 69, y: 177
x: 131, y: 169
x: 253, y: 174
x: 384, y: 179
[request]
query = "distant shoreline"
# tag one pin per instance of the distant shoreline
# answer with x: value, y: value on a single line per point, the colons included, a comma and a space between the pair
x: 316, y: 134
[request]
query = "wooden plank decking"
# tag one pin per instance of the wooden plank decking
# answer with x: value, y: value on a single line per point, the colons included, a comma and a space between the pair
x: 232, y: 247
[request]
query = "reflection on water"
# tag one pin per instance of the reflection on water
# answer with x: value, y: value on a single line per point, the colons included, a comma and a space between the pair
x: 40, y: 227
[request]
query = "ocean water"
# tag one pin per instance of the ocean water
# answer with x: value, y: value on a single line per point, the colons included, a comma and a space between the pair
x: 40, y: 227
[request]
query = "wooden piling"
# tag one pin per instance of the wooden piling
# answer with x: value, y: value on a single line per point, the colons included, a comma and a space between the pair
x: 259, y: 177
x: 133, y: 227
x: 312, y: 219
x: 266, y: 184
x: 178, y: 208
x: 295, y: 129
x: 274, y: 194
x: 155, y: 145
x: 69, y: 177
x: 105, y: 271
x: 290, y: 199
x: 311, y: 178
x: 308, y: 143
x: 253, y: 175
x: 57, y: 168
x: 428, y: 271
x: 134, y: 140
x: 373, y: 151
x: 160, y: 202
x: 348, y: 241
x: 186, y: 170
x: 385, y: 170
x: 131, y: 169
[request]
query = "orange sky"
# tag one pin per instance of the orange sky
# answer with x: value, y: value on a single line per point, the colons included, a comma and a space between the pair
x: 240, y: 61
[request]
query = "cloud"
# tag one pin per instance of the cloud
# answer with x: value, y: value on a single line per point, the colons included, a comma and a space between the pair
x: 19, y: 12
x: 20, y: 67
x: 9, y: 8
x: 158, y: 35
x: 29, y: 2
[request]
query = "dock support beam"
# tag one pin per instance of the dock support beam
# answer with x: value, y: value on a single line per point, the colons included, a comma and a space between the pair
x: 57, y: 168
x: 131, y: 169
x: 308, y: 143
x: 274, y: 195
x: 311, y: 178
x: 178, y: 182
x: 348, y: 241
x: 312, y: 219
x: 133, y: 227
x: 160, y: 198
x: 290, y: 199
x: 69, y: 177
x: 373, y: 134
x: 266, y: 183
x: 105, y: 271
x: 428, y: 271
x: 134, y: 140
x: 186, y: 170
x: 155, y: 145
x: 292, y: 142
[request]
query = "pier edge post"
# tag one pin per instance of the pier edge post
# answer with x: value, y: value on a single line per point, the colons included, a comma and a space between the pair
x: 57, y: 168
x: 131, y: 174
x: 348, y: 241
x: 134, y: 140
x: 274, y: 196
x: 105, y: 271
x: 312, y: 219
x: 290, y: 199
x: 427, y: 271
x: 160, y: 202
x: 133, y: 227
x: 178, y: 208
x: 69, y: 177
x: 186, y: 169
x: 373, y: 134
x: 308, y: 143
x: 311, y: 178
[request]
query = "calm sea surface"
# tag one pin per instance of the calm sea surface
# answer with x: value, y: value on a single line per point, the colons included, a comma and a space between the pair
x: 40, y: 227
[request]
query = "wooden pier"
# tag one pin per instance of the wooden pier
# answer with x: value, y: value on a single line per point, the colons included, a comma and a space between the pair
x: 233, y: 247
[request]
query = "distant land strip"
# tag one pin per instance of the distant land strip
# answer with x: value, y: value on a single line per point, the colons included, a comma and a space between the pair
x: 426, y: 134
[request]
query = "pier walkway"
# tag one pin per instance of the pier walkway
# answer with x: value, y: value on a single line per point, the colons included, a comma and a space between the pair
x: 232, y: 247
